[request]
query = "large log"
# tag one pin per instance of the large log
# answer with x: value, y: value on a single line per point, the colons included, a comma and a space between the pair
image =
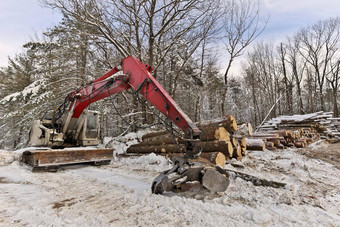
x: 227, y: 122
x: 214, y: 181
x: 243, y: 145
x: 237, y: 152
x: 261, y: 135
x: 257, y: 181
x: 217, y: 146
x: 166, y: 148
x: 210, y: 146
x: 217, y: 158
x: 210, y: 133
x: 244, y: 129
x: 255, y: 144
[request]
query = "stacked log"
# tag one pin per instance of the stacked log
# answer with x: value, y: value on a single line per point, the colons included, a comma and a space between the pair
x: 322, y: 122
x: 219, y: 139
x: 281, y: 139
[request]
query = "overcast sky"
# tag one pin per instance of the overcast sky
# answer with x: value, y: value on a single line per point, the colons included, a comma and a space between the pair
x: 20, y: 20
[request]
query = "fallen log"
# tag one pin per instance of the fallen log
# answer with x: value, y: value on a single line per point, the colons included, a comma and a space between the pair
x: 243, y: 145
x: 244, y: 129
x: 255, y: 144
x: 217, y: 158
x: 166, y: 148
x: 257, y: 181
x: 237, y: 152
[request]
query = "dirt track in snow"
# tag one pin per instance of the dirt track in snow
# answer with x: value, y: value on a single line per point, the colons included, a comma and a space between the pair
x: 326, y: 152
x: 119, y: 194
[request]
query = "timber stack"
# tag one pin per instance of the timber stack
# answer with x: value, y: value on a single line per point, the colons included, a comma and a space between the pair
x: 282, y: 139
x: 321, y: 121
x: 298, y: 130
x: 220, y: 140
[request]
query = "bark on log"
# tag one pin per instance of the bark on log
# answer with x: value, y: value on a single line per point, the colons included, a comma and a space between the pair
x: 210, y: 133
x: 257, y: 181
x: 244, y: 129
x: 299, y: 144
x: 269, y: 144
x: 243, y: 145
x: 167, y: 148
x: 267, y: 134
x: 210, y: 146
x: 214, y: 181
x: 237, y: 152
x: 217, y: 158
x: 217, y: 146
x: 228, y: 122
x: 255, y: 144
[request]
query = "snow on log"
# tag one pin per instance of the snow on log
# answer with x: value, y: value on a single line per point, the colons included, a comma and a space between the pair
x: 255, y: 144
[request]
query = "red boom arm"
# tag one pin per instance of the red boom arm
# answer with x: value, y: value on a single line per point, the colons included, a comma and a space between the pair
x: 136, y: 75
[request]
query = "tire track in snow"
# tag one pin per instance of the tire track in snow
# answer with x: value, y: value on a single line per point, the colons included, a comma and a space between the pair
x: 116, y: 177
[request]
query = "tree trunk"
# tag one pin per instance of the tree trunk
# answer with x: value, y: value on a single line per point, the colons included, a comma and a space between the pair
x: 335, y: 104
x: 217, y: 158
x: 255, y: 144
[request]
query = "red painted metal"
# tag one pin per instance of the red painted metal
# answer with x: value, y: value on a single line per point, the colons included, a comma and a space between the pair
x: 140, y: 78
x: 106, y: 75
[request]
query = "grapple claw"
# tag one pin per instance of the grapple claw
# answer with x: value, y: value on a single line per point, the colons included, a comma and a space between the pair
x: 184, y: 173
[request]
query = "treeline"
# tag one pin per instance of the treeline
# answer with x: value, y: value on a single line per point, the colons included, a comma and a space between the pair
x: 300, y: 73
x: 182, y: 41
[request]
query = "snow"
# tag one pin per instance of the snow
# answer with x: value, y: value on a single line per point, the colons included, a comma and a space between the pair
x: 119, y: 194
x: 33, y: 88
x: 8, y: 157
x: 121, y: 143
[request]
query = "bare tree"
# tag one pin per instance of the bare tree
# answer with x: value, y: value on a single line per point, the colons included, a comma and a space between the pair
x: 298, y: 66
x: 241, y: 26
x: 288, y: 81
x: 148, y: 29
x: 319, y: 43
x: 334, y: 80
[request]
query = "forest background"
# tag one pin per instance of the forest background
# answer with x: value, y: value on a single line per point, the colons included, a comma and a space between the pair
x: 181, y: 39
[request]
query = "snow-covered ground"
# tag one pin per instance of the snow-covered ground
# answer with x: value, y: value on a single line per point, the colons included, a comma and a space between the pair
x: 119, y: 194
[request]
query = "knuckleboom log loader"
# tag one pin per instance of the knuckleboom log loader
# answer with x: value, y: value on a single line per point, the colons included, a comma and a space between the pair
x: 73, y: 125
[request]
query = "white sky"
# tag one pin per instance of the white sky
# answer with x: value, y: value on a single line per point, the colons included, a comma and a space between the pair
x: 22, y: 19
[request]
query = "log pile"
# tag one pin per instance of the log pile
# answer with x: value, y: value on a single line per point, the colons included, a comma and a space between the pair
x: 321, y: 121
x: 298, y: 130
x: 220, y: 140
x: 282, y: 139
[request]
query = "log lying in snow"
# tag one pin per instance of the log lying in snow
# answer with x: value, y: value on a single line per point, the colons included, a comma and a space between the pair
x: 237, y: 152
x: 257, y: 181
x: 217, y: 158
x: 255, y: 144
